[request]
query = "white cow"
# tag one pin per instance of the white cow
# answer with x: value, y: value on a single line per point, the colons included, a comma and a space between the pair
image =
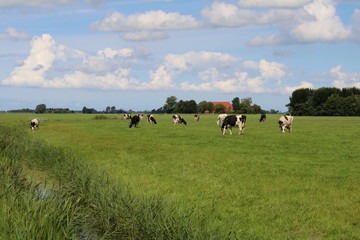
x: 34, y: 123
x: 286, y: 121
x: 221, y: 118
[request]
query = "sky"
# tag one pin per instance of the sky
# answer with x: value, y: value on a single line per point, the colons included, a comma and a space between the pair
x: 133, y: 54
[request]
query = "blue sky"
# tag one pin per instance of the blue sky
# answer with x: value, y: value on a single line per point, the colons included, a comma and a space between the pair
x: 133, y: 54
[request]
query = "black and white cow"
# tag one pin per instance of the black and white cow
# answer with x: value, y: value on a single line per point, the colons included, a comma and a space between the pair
x: 196, y: 117
x: 178, y: 119
x: 262, y: 118
x: 34, y: 124
x: 127, y: 116
x: 220, y: 118
x: 151, y: 119
x: 286, y: 121
x: 234, y: 121
x: 134, y: 121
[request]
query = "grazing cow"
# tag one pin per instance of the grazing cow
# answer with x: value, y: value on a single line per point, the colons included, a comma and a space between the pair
x: 286, y: 121
x: 127, y: 116
x: 196, y: 117
x: 134, y: 121
x: 151, y: 119
x: 178, y: 119
x: 221, y: 118
x: 234, y: 121
x: 262, y: 118
x: 34, y: 123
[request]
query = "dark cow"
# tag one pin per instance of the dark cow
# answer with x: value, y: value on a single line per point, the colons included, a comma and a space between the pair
x: 196, y: 117
x: 134, y: 121
x: 262, y: 118
x: 34, y: 124
x: 151, y: 119
x: 178, y: 119
x: 234, y: 121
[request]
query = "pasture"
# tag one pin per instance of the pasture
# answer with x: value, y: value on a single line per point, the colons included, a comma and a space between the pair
x: 261, y: 185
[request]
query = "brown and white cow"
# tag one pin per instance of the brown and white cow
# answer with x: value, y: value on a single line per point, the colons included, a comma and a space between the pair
x: 286, y: 121
x: 34, y: 124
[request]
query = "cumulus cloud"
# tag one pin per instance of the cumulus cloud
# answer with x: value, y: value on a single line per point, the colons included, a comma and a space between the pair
x: 273, y: 3
x: 12, y: 34
x: 315, y: 22
x: 46, y: 3
x: 144, y: 36
x: 148, y: 21
x: 341, y: 79
x: 113, y: 69
x: 303, y: 84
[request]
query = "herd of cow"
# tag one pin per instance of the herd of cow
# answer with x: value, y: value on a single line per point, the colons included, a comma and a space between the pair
x: 228, y: 121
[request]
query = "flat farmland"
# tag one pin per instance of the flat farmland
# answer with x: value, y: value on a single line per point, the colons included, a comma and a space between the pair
x: 263, y: 184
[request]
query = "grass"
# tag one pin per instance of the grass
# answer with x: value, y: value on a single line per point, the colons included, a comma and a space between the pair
x: 260, y: 185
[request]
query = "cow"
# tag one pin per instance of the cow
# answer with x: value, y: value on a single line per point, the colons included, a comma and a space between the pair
x: 151, y: 119
x: 34, y: 124
x: 262, y: 118
x: 134, y: 121
x: 286, y: 121
x: 221, y: 118
x: 234, y: 121
x: 127, y: 116
x: 196, y: 117
x: 178, y: 119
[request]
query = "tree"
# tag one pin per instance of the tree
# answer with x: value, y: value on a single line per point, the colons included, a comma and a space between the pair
x: 219, y: 108
x: 41, y: 108
x: 245, y: 105
x: 205, y: 106
x: 170, y: 104
x: 236, y: 104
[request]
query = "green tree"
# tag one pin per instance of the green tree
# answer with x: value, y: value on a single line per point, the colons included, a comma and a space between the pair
x: 41, y: 108
x: 170, y: 104
x: 205, y: 106
x: 236, y: 104
x: 219, y: 108
x: 245, y: 105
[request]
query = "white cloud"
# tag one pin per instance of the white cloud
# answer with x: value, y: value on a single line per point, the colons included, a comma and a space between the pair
x: 144, y: 36
x: 303, y: 84
x: 273, y: 3
x: 46, y: 3
x: 113, y: 69
x: 229, y: 15
x: 148, y: 21
x: 342, y: 79
x: 315, y: 22
x: 12, y: 34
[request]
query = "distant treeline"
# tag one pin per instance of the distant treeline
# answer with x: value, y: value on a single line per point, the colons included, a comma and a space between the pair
x: 325, y: 102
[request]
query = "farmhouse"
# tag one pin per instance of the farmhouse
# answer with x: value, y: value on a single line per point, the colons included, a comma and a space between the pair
x: 227, y: 105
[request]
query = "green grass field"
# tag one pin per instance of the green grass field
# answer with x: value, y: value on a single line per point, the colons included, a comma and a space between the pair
x: 261, y: 185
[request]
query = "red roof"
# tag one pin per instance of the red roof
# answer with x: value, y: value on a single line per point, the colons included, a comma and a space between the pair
x: 228, y: 106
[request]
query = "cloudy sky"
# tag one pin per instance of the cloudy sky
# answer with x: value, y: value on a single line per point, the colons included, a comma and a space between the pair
x: 133, y: 54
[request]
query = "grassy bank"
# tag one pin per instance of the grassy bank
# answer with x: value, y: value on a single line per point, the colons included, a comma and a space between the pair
x: 50, y: 193
x: 261, y: 185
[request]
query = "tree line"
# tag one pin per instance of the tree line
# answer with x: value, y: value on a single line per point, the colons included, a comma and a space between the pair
x: 325, y: 101
x: 244, y: 106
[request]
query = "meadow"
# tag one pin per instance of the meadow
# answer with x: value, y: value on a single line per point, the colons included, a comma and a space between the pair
x: 260, y: 185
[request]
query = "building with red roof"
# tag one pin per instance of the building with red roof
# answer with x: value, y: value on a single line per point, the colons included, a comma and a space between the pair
x: 227, y: 105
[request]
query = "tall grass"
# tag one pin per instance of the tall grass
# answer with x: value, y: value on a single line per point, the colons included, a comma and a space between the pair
x: 77, y: 202
x: 261, y: 185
